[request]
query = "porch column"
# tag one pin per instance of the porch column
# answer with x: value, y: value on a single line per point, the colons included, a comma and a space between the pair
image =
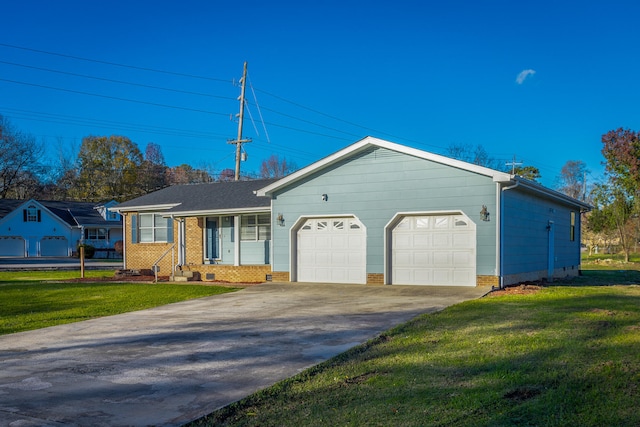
x: 236, y: 238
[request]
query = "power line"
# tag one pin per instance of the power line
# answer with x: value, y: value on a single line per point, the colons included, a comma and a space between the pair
x: 149, y: 69
x: 92, y: 122
x: 115, y: 64
x: 49, y: 70
x: 155, y: 104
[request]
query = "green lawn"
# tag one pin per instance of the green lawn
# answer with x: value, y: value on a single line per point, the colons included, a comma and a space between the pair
x: 566, y: 355
x: 37, y: 299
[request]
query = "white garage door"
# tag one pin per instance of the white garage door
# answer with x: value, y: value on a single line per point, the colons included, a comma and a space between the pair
x: 332, y: 250
x: 12, y: 246
x: 434, y: 250
x: 54, y: 246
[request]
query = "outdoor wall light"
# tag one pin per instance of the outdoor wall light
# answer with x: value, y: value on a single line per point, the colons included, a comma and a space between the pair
x: 484, y: 214
x: 325, y: 197
x: 280, y: 220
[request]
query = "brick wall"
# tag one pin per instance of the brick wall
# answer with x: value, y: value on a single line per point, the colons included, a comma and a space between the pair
x: 194, y: 240
x: 487, y: 281
x: 280, y: 276
x: 375, y: 279
x: 232, y: 273
x: 143, y: 255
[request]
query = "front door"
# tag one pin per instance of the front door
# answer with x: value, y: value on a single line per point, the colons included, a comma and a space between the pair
x: 211, y: 239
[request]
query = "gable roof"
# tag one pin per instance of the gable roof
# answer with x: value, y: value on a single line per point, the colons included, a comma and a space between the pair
x: 73, y: 213
x: 371, y: 142
x: 200, y: 199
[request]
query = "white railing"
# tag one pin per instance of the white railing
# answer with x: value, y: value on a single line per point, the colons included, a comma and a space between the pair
x: 154, y: 267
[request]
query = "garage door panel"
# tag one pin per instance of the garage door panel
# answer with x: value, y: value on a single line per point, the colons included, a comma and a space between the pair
x: 402, y: 259
x: 331, y: 250
x: 441, y: 240
x: 12, y: 246
x: 442, y: 275
x: 421, y: 241
x: 462, y: 259
x: 54, y: 246
x: 421, y: 275
x: 434, y: 250
x: 356, y: 242
x: 463, y: 276
x: 441, y: 258
x: 421, y: 258
x: 402, y: 241
x: 463, y: 240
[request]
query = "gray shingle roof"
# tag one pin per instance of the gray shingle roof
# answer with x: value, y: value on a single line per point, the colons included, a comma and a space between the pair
x: 215, y: 196
x: 73, y: 213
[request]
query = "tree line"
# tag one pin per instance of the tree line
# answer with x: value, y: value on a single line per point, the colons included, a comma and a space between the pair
x: 105, y: 168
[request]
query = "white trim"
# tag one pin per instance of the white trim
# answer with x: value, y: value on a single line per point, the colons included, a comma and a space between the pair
x: 223, y: 212
x: 144, y: 208
x: 369, y: 141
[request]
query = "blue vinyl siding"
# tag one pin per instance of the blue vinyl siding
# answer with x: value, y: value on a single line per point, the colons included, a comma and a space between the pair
x: 526, y: 237
x: 376, y: 185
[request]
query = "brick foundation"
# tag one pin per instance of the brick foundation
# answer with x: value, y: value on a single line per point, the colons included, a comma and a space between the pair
x: 232, y: 273
x: 375, y: 279
x: 280, y: 276
x: 487, y: 281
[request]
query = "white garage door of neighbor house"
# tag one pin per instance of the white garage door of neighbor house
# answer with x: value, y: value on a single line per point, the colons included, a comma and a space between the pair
x: 332, y: 250
x: 54, y: 246
x: 12, y: 246
x: 434, y: 250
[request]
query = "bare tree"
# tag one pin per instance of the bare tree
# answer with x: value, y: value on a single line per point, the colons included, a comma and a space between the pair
x: 20, y: 157
x: 477, y: 155
x: 572, y: 179
x: 153, y: 174
x: 274, y: 167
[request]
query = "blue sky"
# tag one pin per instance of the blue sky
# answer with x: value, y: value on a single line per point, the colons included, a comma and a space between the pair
x: 538, y: 80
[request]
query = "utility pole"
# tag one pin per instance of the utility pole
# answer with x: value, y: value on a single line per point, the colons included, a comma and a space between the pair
x: 239, y: 141
x: 513, y: 165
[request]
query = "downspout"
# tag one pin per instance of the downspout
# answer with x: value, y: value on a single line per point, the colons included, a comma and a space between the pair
x: 501, y: 233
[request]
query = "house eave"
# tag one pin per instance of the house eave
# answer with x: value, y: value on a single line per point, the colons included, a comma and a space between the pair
x: 145, y: 208
x: 217, y: 212
x: 518, y: 181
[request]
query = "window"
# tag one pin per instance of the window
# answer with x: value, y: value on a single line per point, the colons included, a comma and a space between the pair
x: 31, y: 214
x: 255, y: 227
x: 96, y: 234
x: 153, y: 228
x: 112, y: 216
x: 572, y: 227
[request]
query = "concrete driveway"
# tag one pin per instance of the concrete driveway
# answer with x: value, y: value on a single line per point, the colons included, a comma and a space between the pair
x: 172, y: 364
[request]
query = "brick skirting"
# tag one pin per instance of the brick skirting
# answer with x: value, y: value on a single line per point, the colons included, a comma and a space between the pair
x: 231, y: 273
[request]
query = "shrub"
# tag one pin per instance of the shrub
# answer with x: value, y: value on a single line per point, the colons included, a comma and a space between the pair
x: 88, y: 250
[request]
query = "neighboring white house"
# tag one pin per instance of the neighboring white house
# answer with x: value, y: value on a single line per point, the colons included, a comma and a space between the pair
x: 32, y: 228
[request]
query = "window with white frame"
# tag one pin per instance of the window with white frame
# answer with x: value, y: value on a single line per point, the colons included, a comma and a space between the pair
x: 31, y: 214
x: 255, y: 227
x: 96, y: 234
x: 154, y: 228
